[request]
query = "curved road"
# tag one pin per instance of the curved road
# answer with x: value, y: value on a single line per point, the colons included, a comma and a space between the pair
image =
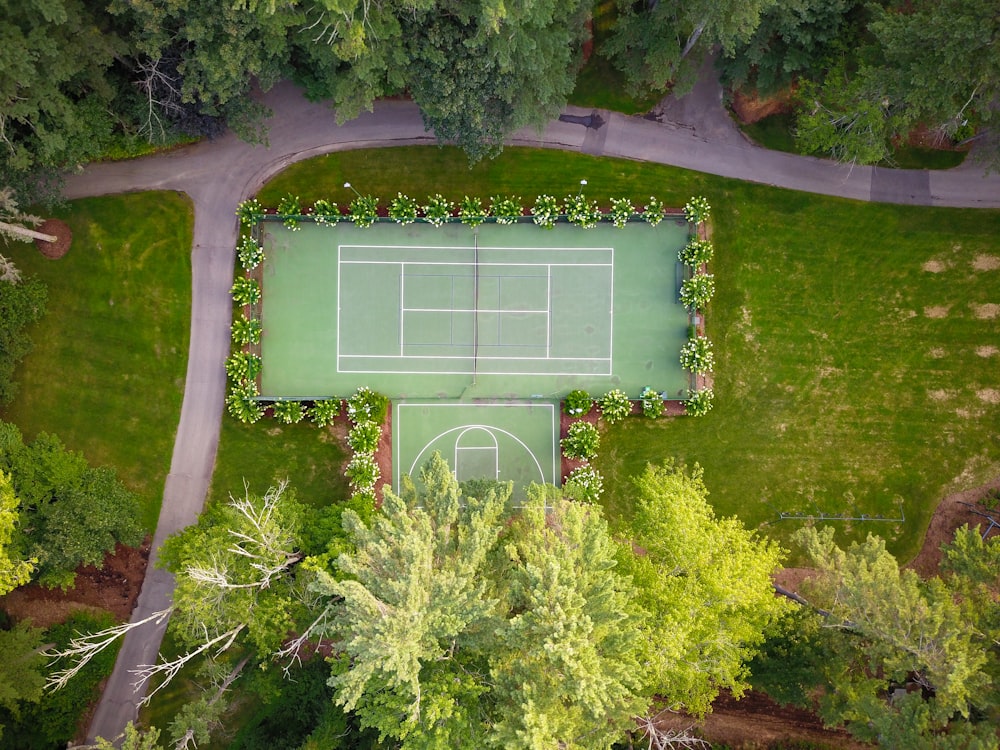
x: 694, y: 132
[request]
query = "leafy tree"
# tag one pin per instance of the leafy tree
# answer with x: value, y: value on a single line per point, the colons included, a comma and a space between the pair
x: 654, y: 41
x: 794, y: 38
x: 56, y: 91
x: 225, y: 563
x: 706, y: 584
x: 14, y: 570
x: 888, y: 628
x: 21, y: 666
x: 444, y: 605
x: 22, y: 303
x: 134, y: 739
x: 71, y: 514
x: 940, y: 62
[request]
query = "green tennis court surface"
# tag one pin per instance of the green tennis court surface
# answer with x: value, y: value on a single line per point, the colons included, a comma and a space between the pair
x: 507, y: 440
x: 451, y: 312
x: 474, y: 334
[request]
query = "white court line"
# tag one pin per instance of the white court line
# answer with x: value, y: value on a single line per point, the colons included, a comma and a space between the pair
x: 402, y: 301
x: 525, y: 248
x: 611, y: 312
x: 471, y: 310
x: 461, y: 356
x: 469, y: 264
x: 548, y: 321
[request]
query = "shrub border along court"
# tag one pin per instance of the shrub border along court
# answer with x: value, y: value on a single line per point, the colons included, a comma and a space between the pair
x: 243, y: 367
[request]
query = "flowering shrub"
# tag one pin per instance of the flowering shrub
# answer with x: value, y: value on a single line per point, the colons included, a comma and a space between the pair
x: 585, y: 484
x: 577, y: 403
x: 506, y: 209
x: 581, y: 441
x: 697, y: 356
x: 652, y: 403
x: 245, y: 291
x: 438, y: 210
x: 472, y: 212
x: 363, y: 437
x: 367, y: 405
x: 697, y: 291
x: 696, y: 252
x: 582, y: 212
x: 249, y: 253
x: 697, y: 210
x: 700, y: 403
x: 362, y: 472
x: 250, y: 212
x: 243, y: 366
x: 242, y: 403
x: 621, y: 211
x: 288, y: 412
x: 246, y: 331
x: 546, y: 211
x: 652, y: 213
x: 326, y: 212
x: 403, y: 209
x: 322, y: 413
x: 615, y: 406
x: 290, y: 210
x: 364, y: 210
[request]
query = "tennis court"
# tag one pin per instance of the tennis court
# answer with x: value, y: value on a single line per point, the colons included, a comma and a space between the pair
x: 450, y: 312
x: 475, y: 334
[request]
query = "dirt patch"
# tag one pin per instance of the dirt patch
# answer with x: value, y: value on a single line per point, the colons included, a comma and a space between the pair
x: 755, y: 721
x: 750, y: 107
x: 114, y: 588
x: 939, y: 395
x: 986, y: 263
x: 987, y: 351
x: 948, y: 516
x: 987, y: 311
x: 935, y: 266
x: 64, y: 238
x: 383, y: 455
x: 989, y: 395
x: 937, y: 353
x: 941, y: 311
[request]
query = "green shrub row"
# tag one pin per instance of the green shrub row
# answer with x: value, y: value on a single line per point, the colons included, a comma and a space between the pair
x: 546, y: 211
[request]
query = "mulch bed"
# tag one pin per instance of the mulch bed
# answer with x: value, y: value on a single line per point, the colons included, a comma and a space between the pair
x: 60, y: 229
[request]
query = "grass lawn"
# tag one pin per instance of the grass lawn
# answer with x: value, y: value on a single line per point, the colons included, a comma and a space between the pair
x: 600, y: 84
x: 107, y: 370
x: 265, y: 453
x: 857, y: 364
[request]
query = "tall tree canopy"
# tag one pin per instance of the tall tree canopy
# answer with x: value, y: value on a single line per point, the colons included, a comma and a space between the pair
x: 658, y: 44
x: 706, y: 585
x: 459, y: 629
x: 71, y: 514
x: 901, y: 661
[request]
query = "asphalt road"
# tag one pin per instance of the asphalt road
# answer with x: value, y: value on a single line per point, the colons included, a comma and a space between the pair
x: 694, y: 132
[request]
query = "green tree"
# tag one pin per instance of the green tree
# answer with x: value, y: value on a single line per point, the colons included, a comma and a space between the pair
x: 14, y: 570
x: 795, y: 38
x: 22, y: 303
x: 888, y: 627
x: 71, y: 514
x: 706, y: 584
x: 56, y: 92
x: 21, y: 667
x: 658, y: 44
x: 461, y: 629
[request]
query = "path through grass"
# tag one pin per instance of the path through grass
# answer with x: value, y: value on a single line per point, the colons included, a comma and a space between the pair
x: 856, y: 345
